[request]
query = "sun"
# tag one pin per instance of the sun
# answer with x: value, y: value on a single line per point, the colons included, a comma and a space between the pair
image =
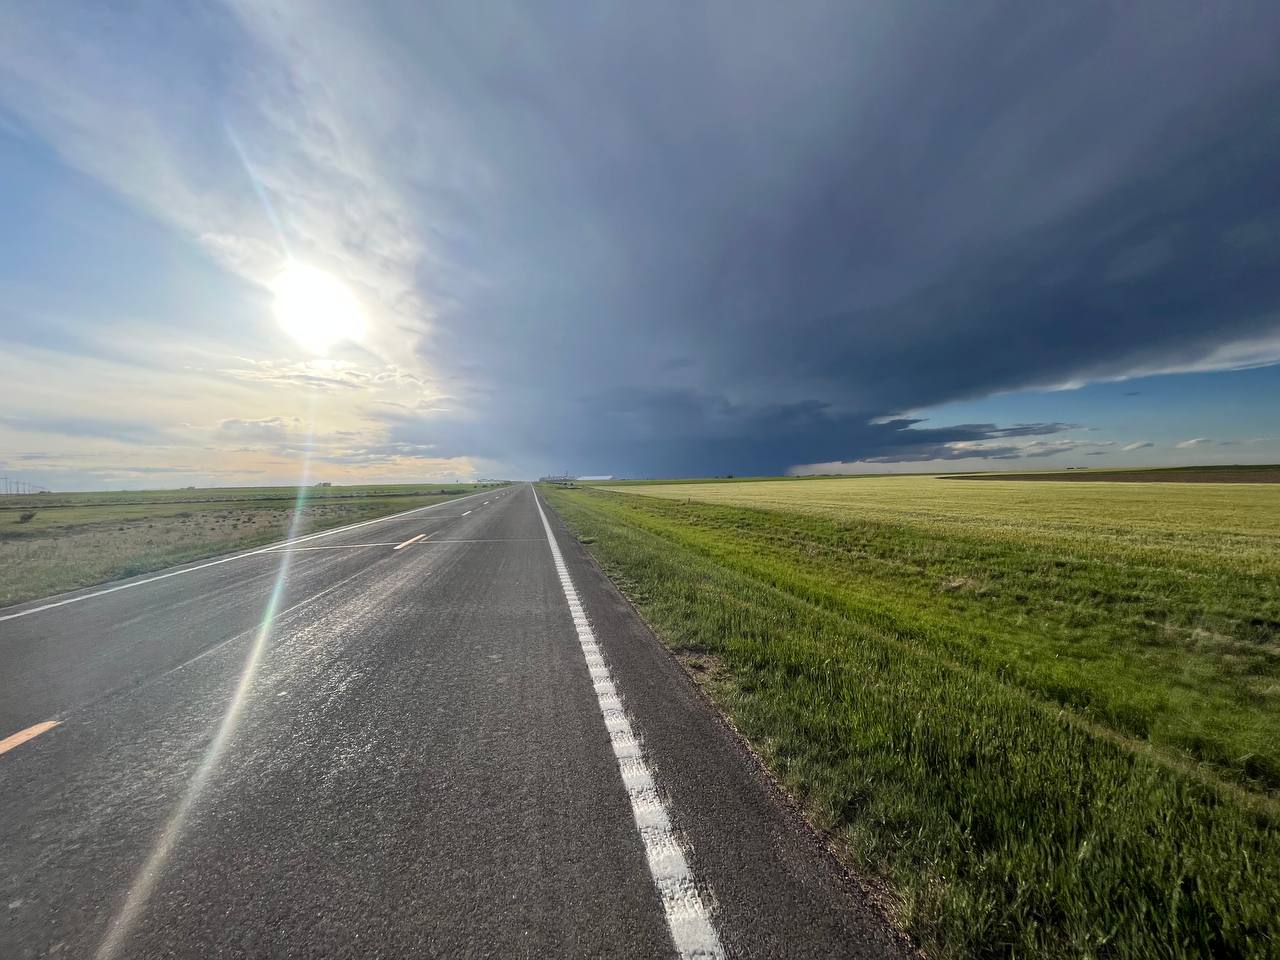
x: 316, y: 308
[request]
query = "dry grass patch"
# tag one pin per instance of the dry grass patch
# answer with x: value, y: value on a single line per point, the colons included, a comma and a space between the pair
x: 77, y: 540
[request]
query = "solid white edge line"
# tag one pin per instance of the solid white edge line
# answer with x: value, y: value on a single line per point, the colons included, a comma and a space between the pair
x: 688, y: 920
x: 237, y: 556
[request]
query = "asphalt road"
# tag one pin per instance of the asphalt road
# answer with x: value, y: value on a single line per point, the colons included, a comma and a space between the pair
x: 345, y: 749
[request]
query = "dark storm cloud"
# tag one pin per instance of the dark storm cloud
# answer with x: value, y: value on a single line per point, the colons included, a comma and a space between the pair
x: 664, y: 432
x: 732, y: 237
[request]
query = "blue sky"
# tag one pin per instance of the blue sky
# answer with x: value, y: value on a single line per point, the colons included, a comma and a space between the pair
x: 641, y: 240
x: 1190, y: 418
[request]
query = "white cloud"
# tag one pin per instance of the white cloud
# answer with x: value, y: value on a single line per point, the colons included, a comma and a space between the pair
x: 1248, y: 354
x: 1193, y: 442
x: 283, y: 157
x: 1140, y: 445
x: 266, y: 429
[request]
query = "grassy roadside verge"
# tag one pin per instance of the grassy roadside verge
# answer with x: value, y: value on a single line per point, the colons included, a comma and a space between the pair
x: 1007, y: 825
x: 78, y: 540
x: 1150, y: 610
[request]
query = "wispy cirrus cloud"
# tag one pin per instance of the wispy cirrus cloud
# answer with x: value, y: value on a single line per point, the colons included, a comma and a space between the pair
x: 82, y: 427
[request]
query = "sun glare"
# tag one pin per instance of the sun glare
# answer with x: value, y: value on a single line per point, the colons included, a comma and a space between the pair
x: 316, y: 308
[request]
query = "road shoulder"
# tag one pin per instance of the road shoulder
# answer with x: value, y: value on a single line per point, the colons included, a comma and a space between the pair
x: 777, y: 891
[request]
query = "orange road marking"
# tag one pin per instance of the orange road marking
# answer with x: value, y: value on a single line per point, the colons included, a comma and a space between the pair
x: 22, y: 736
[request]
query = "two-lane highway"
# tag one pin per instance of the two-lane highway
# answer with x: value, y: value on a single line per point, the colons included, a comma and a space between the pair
x: 437, y: 734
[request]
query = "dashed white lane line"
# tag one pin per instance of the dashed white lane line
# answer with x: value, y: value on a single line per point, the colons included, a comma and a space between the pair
x: 337, y: 546
x: 236, y: 556
x: 491, y: 540
x: 401, y: 546
x: 687, y: 918
x: 22, y: 736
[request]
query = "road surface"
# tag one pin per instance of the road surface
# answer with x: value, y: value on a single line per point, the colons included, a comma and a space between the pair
x: 441, y: 734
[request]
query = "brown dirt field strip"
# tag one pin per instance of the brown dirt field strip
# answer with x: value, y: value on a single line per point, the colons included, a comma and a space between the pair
x: 1269, y: 474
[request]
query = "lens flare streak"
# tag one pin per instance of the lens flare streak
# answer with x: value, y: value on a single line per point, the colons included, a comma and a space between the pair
x: 145, y: 879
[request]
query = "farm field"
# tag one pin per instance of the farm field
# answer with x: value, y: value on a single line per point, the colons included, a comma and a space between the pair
x: 1048, y: 714
x: 51, y: 543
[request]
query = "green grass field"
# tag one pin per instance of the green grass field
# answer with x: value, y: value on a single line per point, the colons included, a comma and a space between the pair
x: 1047, y: 713
x: 50, y: 543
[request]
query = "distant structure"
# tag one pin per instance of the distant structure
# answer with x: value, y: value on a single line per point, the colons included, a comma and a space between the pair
x: 563, y: 479
x: 15, y: 488
x: 602, y: 476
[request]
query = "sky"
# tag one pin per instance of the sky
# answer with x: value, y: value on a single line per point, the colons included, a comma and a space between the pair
x: 260, y: 242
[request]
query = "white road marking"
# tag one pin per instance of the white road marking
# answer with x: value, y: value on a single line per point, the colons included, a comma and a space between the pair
x: 401, y: 546
x: 687, y: 917
x: 493, y: 540
x: 237, y: 556
x: 336, y: 546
